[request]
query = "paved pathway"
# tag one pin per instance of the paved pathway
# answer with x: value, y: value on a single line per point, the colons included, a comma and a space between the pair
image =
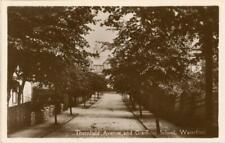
x: 109, y: 117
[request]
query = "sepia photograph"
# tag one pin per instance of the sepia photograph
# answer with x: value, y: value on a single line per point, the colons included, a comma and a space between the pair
x: 112, y: 71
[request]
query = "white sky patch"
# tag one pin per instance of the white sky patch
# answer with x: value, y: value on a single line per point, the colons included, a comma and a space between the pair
x: 102, y: 34
x: 99, y: 34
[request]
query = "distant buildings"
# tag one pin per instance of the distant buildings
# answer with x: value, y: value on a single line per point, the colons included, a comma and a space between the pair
x: 98, y: 68
x: 100, y: 63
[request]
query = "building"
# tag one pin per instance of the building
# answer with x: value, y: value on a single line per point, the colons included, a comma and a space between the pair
x: 100, y: 63
x: 26, y: 95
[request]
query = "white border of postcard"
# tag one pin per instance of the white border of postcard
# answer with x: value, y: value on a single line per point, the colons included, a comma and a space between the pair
x: 3, y: 65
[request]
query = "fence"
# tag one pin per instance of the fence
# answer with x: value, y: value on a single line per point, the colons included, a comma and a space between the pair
x: 19, y: 117
x: 187, y: 110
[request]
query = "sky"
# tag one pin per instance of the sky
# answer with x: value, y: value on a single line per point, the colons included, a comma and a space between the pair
x: 101, y: 34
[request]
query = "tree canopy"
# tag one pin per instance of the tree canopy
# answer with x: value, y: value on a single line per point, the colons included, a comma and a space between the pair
x: 46, y: 39
x: 157, y: 48
x: 159, y: 44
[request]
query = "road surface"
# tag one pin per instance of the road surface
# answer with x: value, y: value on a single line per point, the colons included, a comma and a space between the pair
x: 108, y: 117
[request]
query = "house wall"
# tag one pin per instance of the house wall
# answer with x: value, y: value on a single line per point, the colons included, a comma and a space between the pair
x: 26, y: 96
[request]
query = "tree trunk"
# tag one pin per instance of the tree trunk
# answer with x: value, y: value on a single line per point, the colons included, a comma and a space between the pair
x: 132, y: 102
x: 70, y: 105
x: 21, y: 91
x: 56, y: 105
x: 140, y: 110
x: 157, y: 125
x: 157, y: 94
x: 208, y: 79
x: 55, y: 113
x: 208, y: 52
x: 157, y: 120
x: 71, y: 112
x: 84, y: 101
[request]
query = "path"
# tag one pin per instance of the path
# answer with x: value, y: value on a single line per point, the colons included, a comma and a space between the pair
x: 108, y: 117
x: 109, y: 114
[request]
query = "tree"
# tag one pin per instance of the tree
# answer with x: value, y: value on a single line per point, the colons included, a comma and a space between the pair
x: 155, y: 46
x: 98, y: 82
x: 45, y: 40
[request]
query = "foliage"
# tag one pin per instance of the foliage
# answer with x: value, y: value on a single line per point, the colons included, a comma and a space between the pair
x: 157, y: 46
x: 54, y: 33
x: 43, y: 41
